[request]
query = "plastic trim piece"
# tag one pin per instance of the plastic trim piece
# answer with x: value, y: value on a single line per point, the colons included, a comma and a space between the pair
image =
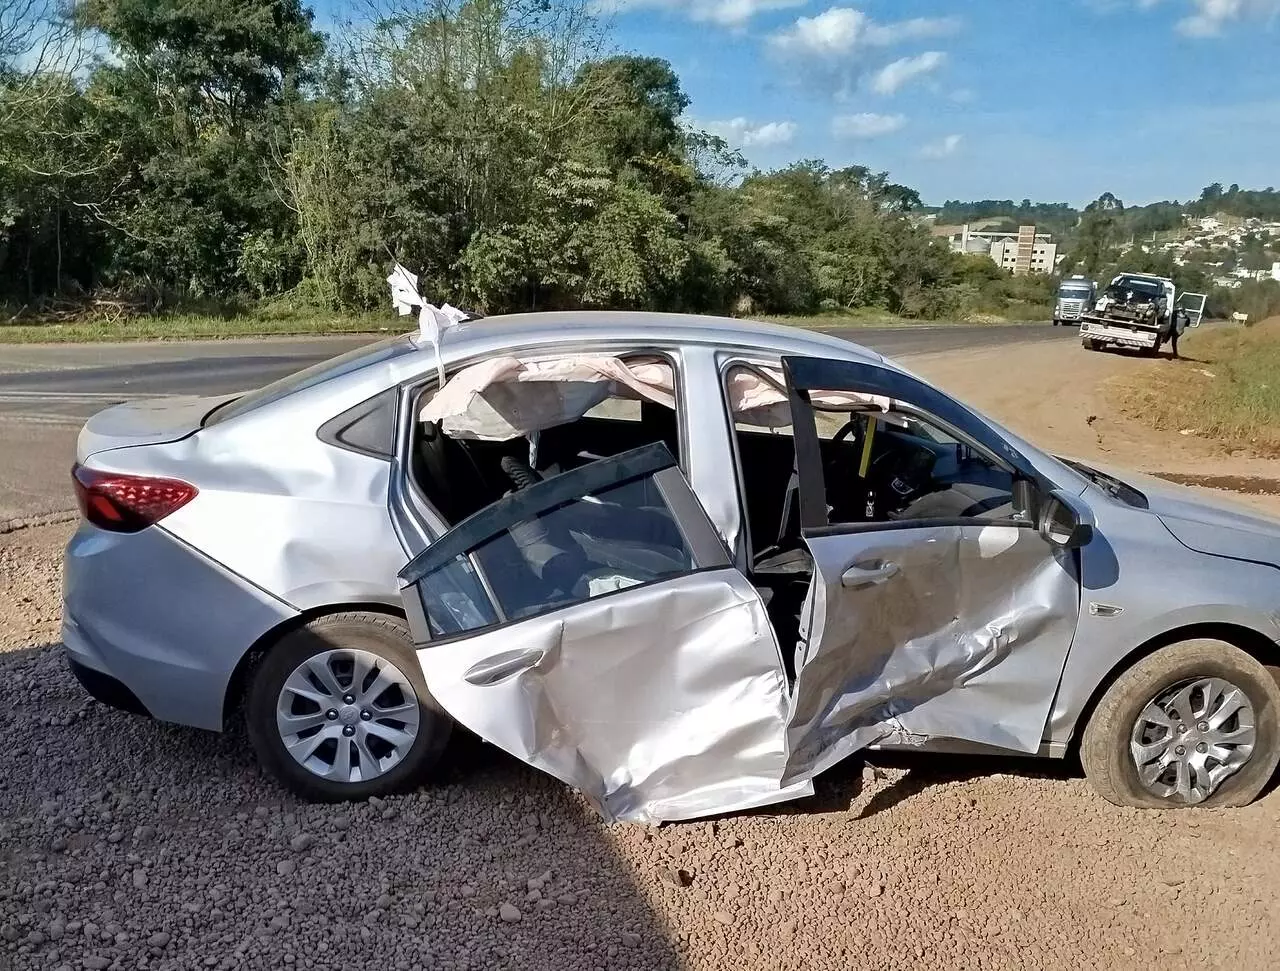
x: 368, y: 428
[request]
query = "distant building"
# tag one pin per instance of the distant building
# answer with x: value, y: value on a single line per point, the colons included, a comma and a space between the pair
x: 1025, y: 251
x: 1209, y: 224
x: 1275, y: 271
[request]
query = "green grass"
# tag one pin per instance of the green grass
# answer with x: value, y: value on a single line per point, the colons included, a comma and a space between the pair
x: 201, y: 327
x: 1227, y: 389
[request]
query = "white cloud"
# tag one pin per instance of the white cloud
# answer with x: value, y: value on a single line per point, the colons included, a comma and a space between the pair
x: 727, y: 13
x: 1209, y: 17
x: 866, y: 124
x: 942, y: 147
x: 840, y: 31
x: 836, y: 48
x: 743, y: 134
x: 897, y: 73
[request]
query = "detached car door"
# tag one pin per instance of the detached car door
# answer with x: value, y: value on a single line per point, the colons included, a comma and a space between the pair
x: 950, y: 617
x: 593, y: 625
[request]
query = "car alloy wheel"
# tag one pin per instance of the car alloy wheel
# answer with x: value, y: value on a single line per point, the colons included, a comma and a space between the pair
x: 347, y: 715
x: 337, y: 709
x: 1193, y: 724
x: 1191, y: 737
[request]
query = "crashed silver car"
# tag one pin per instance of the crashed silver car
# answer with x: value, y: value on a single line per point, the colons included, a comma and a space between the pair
x: 683, y: 564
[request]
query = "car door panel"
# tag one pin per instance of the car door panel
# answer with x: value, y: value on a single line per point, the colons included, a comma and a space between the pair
x: 919, y: 629
x: 935, y: 631
x: 660, y: 702
x: 594, y: 627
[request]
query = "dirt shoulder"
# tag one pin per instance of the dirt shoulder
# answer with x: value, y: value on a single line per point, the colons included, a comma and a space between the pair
x: 1066, y: 400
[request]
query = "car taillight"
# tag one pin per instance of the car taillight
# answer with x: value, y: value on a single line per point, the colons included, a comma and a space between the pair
x: 127, y: 503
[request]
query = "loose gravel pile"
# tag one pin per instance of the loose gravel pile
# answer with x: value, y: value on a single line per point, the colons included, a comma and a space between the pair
x: 128, y: 844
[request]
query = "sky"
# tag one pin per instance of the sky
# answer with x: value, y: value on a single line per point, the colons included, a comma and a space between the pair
x: 1052, y: 100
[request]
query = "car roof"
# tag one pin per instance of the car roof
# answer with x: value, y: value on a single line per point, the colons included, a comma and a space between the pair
x: 492, y: 334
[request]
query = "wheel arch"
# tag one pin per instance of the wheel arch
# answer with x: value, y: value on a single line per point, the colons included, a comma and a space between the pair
x: 1253, y: 642
x: 238, y: 683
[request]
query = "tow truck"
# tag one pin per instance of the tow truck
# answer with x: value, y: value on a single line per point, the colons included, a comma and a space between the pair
x: 1139, y: 311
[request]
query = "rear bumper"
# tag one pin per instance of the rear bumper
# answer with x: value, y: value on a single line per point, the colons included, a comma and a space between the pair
x: 106, y: 689
x: 156, y: 626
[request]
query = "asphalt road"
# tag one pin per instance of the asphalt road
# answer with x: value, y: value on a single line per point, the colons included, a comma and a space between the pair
x: 47, y: 392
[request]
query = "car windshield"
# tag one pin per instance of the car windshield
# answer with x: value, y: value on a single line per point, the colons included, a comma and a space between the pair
x: 383, y: 350
x: 1109, y: 484
x: 1146, y: 288
x: 1073, y: 293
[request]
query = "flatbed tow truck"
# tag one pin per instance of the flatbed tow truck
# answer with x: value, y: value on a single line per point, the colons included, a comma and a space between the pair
x: 1139, y: 311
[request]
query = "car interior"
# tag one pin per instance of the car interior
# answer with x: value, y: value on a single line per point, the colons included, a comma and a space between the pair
x: 879, y: 466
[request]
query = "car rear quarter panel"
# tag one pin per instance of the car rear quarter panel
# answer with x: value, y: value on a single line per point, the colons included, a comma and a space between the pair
x: 304, y: 520
x: 1160, y: 587
x: 200, y: 618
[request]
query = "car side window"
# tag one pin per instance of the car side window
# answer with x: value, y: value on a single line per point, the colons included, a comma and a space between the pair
x: 895, y: 466
x: 881, y: 461
x: 581, y: 535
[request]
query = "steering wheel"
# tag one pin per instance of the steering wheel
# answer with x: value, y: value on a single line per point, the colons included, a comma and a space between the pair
x: 899, y: 477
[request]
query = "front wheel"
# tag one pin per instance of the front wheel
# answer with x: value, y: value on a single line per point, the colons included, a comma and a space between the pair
x: 338, y: 710
x: 1194, y: 724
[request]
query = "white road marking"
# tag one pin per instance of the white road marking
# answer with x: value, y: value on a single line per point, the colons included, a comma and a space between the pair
x: 20, y: 396
x: 28, y: 418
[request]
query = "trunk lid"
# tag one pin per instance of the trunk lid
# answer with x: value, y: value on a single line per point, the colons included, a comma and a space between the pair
x: 149, y: 422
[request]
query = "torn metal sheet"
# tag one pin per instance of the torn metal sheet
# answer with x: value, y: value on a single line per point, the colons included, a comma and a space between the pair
x: 610, y: 643
x: 661, y: 702
x: 952, y: 631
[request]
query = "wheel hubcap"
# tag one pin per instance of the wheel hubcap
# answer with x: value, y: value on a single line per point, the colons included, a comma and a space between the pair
x: 1189, y: 738
x: 347, y: 715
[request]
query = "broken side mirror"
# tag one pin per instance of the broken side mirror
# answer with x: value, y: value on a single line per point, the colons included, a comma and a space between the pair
x: 1064, y: 521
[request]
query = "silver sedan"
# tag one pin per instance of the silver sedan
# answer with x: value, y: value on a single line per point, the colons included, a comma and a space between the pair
x: 683, y: 564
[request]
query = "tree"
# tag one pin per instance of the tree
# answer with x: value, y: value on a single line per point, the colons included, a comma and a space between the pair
x: 1099, y: 233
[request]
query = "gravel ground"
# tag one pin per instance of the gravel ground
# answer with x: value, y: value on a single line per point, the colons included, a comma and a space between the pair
x: 128, y: 844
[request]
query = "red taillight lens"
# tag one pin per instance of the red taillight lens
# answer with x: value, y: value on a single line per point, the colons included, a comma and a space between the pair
x: 127, y: 503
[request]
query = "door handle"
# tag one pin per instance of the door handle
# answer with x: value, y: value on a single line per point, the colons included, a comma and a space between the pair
x: 864, y: 576
x: 500, y: 667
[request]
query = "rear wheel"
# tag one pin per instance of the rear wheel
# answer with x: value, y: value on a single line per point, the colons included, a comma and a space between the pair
x: 338, y: 710
x: 1194, y: 724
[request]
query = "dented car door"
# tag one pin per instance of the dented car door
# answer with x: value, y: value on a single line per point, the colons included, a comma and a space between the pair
x: 593, y: 625
x: 953, y: 626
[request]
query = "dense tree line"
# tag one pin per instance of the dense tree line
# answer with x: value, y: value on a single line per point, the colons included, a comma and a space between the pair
x: 188, y: 150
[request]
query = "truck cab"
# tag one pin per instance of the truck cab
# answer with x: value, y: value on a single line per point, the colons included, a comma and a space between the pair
x: 1075, y: 296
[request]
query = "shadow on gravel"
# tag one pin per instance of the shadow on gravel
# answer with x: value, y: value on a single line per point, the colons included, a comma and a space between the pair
x: 927, y: 769
x: 839, y: 788
x: 127, y: 843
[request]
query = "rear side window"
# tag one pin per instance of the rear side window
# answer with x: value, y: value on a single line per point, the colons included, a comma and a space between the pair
x: 604, y: 527
x: 353, y: 360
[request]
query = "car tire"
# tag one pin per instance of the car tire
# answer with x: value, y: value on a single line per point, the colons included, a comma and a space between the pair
x: 382, y: 644
x: 1108, y: 746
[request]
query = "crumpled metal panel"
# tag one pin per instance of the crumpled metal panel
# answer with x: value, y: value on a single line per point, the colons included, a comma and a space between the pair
x: 661, y: 702
x: 952, y: 631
